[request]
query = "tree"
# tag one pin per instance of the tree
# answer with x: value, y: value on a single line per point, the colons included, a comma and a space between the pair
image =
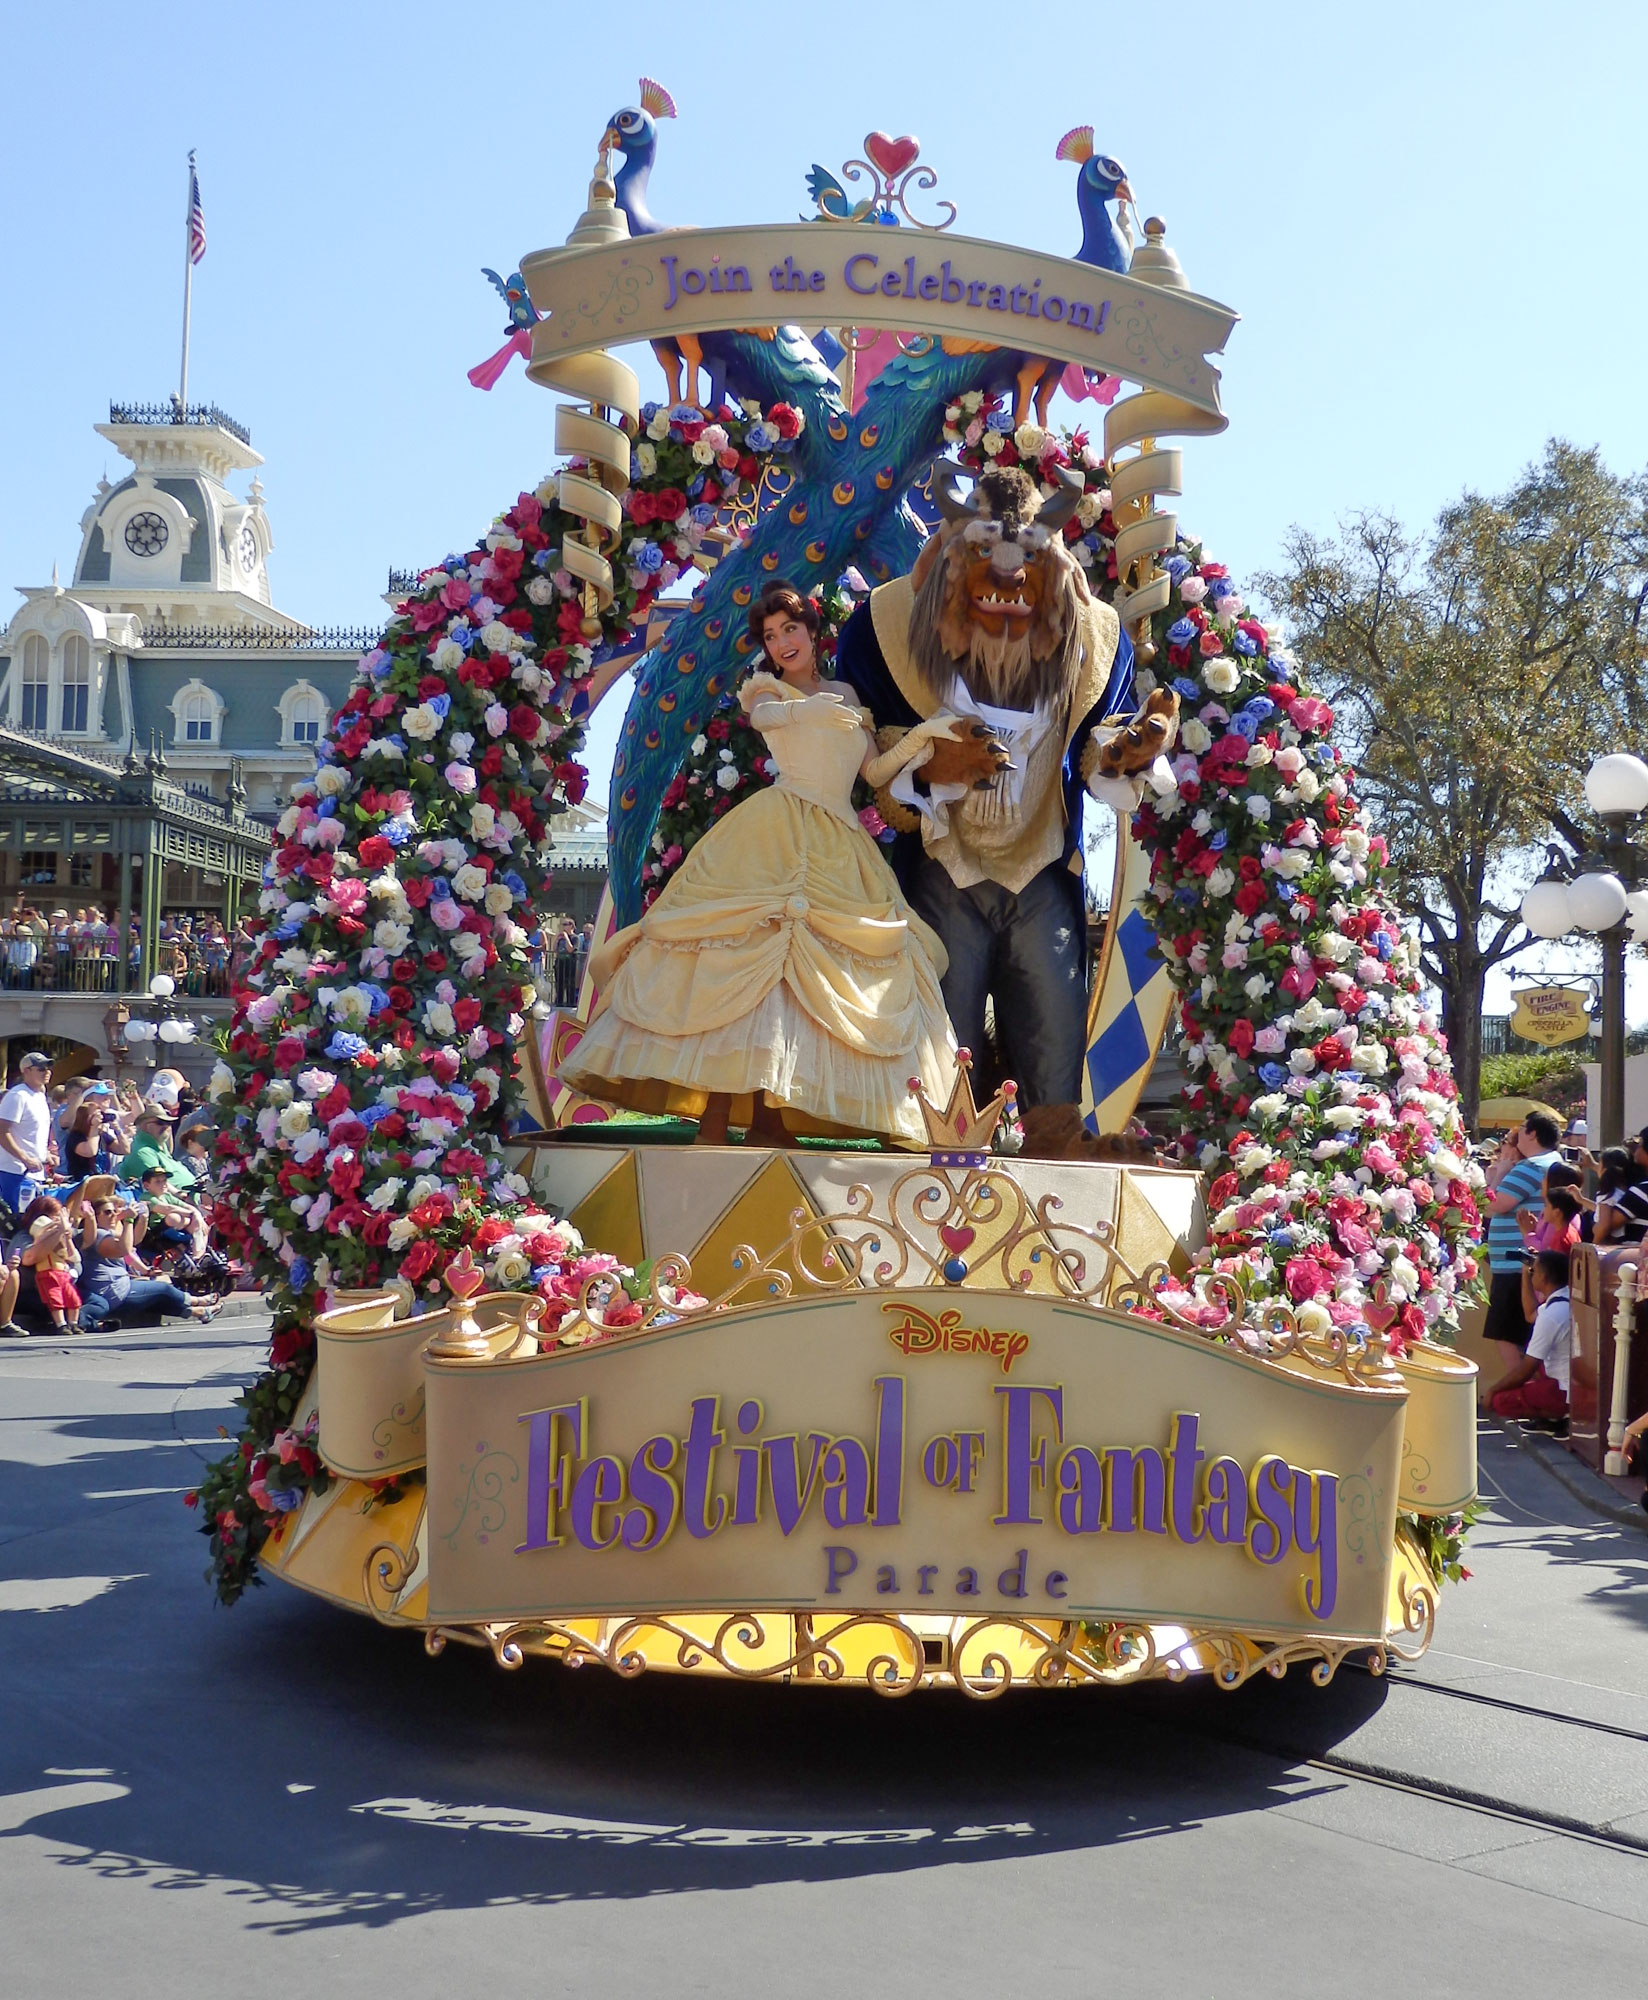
x: 1477, y: 671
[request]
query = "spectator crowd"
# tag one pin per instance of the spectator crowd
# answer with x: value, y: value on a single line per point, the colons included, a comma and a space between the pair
x: 104, y: 1195
x: 1543, y: 1203
x: 78, y: 951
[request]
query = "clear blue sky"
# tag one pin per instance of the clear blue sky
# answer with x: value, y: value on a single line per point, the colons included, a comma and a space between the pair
x: 1427, y: 215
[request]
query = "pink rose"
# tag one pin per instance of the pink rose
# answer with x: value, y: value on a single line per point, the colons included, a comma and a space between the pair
x: 445, y: 914
x: 460, y: 777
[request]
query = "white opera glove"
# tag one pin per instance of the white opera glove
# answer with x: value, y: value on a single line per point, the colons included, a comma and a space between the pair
x: 913, y: 749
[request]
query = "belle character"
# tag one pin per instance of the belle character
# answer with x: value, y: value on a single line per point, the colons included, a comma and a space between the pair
x: 780, y: 981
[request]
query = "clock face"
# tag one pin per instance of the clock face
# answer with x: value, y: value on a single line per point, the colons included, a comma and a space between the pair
x: 248, y: 550
x: 146, y: 534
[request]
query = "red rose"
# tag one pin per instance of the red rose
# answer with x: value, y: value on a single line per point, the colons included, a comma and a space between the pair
x: 434, y: 961
x: 392, y: 1127
x: 784, y: 420
x: 467, y: 1014
x: 463, y: 1161
x: 493, y: 1230
x: 1240, y: 1038
x: 523, y: 722
x: 334, y: 1104
x: 1331, y: 1053
x: 640, y: 507
x: 492, y: 761
x: 401, y: 999
x: 432, y: 1211
x: 417, y: 893
x: 418, y: 1259
x: 375, y: 1232
x: 670, y: 504
x: 1249, y: 898
x: 375, y: 851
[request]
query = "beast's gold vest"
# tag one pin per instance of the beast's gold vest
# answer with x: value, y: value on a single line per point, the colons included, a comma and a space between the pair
x: 988, y: 836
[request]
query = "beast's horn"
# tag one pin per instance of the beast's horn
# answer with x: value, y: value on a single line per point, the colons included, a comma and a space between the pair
x: 948, y: 498
x: 1057, y: 508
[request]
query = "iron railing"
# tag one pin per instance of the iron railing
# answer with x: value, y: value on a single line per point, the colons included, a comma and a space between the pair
x: 161, y: 638
x: 207, y: 415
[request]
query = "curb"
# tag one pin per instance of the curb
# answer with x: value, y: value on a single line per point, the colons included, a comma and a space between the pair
x: 1578, y: 1479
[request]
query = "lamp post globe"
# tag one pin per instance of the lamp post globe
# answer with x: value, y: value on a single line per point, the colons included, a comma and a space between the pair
x: 1617, y: 784
x: 1596, y: 902
x: 1545, y: 909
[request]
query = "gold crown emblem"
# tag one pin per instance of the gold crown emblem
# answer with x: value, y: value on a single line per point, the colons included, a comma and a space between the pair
x: 961, y: 1132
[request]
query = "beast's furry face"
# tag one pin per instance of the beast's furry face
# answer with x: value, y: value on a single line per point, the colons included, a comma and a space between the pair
x: 999, y: 603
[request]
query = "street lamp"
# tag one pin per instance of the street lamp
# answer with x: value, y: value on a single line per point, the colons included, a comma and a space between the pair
x: 1603, y: 889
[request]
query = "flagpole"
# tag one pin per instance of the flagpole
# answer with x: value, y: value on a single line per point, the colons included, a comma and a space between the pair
x: 188, y: 292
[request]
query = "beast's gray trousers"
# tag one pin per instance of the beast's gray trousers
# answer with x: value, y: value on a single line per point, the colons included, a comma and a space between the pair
x: 1028, y: 952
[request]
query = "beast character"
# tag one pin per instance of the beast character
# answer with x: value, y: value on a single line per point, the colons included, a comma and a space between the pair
x: 996, y: 627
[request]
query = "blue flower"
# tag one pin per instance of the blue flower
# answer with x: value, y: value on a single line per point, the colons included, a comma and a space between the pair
x: 1184, y: 685
x: 460, y: 635
x: 327, y: 809
x: 1272, y: 1075
x: 649, y: 411
x: 1190, y: 897
x: 760, y: 437
x: 696, y: 484
x: 396, y: 832
x: 545, y: 559
x: 1181, y: 632
x: 999, y: 420
x: 648, y: 558
x: 703, y: 515
x: 298, y: 1273
x: 513, y: 883
x: 1245, y: 725
x: 370, y: 1115
x: 441, y: 704
x: 284, y: 1498
x: 287, y: 931
x: 1261, y: 706
x: 1382, y: 946
x: 1245, y: 644
x: 439, y: 889
x: 684, y: 413
x: 1219, y: 841
x: 1178, y: 569
x: 376, y: 994
x: 1281, y: 1239
x: 344, y: 1047
x: 1286, y: 891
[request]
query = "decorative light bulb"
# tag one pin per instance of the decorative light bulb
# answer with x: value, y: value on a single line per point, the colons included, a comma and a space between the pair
x: 1617, y: 784
x: 1596, y: 902
x: 1545, y: 908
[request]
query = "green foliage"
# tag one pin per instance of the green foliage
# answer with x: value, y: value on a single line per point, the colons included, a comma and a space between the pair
x: 1553, y: 1074
x: 1477, y: 669
x: 1441, y: 1539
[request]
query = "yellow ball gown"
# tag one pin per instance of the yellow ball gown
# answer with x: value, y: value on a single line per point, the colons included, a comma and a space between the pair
x: 781, y: 957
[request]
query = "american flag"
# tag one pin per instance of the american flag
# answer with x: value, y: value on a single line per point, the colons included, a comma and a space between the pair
x: 197, y: 219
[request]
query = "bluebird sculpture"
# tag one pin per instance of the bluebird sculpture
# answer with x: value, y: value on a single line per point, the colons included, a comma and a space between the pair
x: 523, y: 317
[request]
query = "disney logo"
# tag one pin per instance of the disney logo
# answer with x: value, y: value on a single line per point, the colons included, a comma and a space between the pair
x: 919, y: 1332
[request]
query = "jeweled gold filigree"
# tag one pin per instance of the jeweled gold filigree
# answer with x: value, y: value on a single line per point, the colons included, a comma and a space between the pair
x: 981, y: 1657
x: 1271, y: 1329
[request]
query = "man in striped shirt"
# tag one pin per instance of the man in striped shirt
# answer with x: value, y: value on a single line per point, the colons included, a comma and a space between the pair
x: 1516, y: 1180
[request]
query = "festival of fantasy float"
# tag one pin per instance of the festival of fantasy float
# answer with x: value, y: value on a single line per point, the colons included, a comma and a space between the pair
x: 799, y: 1306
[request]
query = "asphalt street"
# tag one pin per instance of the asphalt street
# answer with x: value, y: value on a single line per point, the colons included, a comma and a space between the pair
x: 195, y: 1801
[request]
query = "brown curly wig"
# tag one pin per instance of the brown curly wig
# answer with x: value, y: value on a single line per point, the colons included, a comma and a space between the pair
x: 780, y: 600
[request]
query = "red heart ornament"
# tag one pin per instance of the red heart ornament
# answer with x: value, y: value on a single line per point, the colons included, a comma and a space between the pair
x: 891, y: 156
x: 955, y: 1237
x: 1377, y: 1308
x: 463, y: 1278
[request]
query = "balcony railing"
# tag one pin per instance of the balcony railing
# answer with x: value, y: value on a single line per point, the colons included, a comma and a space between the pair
x: 204, y: 414
x: 160, y: 638
x: 26, y: 967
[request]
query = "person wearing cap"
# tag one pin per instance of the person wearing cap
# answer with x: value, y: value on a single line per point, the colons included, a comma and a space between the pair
x: 27, y: 1148
x: 65, y: 1111
x: 151, y: 1147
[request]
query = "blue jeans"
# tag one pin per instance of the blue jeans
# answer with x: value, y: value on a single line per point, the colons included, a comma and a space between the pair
x: 96, y: 1307
x: 18, y: 1190
x: 1027, y: 952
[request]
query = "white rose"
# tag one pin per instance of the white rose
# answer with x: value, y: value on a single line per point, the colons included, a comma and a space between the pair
x: 1196, y: 736
x: 482, y: 819
x: 221, y: 1083
x: 469, y: 882
x: 1220, y: 883
x: 499, y: 637
x: 699, y: 745
x: 511, y: 1268
x: 1313, y: 1317
x: 497, y: 899
x: 646, y: 456
x: 447, y: 657
x: 422, y: 724
x: 727, y: 778
x: 1258, y: 807
x: 1221, y: 676
x: 294, y: 1120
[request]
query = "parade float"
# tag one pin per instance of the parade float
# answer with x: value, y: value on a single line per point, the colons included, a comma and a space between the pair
x: 1017, y: 1401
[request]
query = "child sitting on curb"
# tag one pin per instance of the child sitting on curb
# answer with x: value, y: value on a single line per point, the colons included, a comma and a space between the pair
x: 1536, y: 1385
